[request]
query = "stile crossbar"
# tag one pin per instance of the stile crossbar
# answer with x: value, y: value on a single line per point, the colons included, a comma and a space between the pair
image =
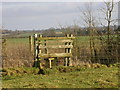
x: 42, y: 46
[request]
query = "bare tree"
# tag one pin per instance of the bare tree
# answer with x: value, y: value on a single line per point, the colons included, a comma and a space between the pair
x: 90, y: 22
x: 109, y: 43
x: 108, y: 10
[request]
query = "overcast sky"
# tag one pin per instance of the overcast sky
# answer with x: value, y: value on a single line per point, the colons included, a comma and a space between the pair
x: 21, y: 15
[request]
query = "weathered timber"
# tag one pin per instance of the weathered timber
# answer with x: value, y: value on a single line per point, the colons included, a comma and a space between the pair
x: 53, y: 38
x: 31, y: 44
x: 51, y: 58
x: 54, y: 41
x: 40, y: 51
x: 44, y: 44
x: 50, y: 62
x: 57, y: 46
x: 50, y: 65
x: 36, y: 50
x: 55, y: 55
x: 68, y: 50
x: 66, y: 61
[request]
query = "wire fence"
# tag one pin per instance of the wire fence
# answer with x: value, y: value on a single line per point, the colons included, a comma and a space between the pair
x: 16, y: 52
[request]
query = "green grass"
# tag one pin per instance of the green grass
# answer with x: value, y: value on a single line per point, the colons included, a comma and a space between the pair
x: 79, y: 40
x: 26, y: 40
x: 25, y: 34
x: 18, y: 40
x: 104, y: 77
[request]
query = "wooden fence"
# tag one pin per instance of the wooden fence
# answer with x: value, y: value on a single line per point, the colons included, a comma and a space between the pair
x: 44, y: 45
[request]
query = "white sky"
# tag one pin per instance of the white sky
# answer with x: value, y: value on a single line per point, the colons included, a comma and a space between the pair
x: 56, y: 0
x: 43, y: 15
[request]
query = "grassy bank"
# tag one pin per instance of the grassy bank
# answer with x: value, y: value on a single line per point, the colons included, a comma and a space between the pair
x: 64, y: 77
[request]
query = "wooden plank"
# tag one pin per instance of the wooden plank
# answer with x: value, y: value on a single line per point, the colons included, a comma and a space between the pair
x: 56, y: 41
x: 50, y: 64
x: 53, y: 38
x: 55, y: 55
x: 51, y: 58
x: 66, y: 40
x: 66, y: 61
x: 57, y: 46
x: 59, y: 40
x: 35, y: 49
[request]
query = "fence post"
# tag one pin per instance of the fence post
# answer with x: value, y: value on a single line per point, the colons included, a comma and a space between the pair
x: 66, y: 51
x: 50, y: 65
x: 70, y: 51
x: 36, y: 49
x: 40, y: 51
x: 4, y: 45
x: 46, y: 49
x: 31, y: 44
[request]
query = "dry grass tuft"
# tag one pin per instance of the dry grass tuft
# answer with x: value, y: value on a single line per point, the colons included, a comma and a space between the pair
x: 17, y: 55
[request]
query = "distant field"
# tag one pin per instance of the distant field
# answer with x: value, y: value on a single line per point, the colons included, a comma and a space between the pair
x: 26, y: 34
x: 18, y: 40
x: 80, y: 41
x: 104, y: 77
x: 26, y: 40
x: 79, y: 38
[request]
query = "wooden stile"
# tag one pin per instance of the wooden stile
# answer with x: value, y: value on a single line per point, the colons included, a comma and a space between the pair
x: 46, y: 43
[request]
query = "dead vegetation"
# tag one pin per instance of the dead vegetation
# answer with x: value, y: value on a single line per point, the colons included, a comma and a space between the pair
x: 16, y: 55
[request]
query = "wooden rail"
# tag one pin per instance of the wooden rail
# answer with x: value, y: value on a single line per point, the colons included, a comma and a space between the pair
x: 42, y: 46
x: 57, y: 46
x: 55, y: 55
x: 54, y: 38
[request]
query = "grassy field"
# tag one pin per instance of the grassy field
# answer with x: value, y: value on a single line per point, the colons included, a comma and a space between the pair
x: 80, y: 40
x: 27, y: 34
x: 60, y: 77
x: 22, y: 40
x: 102, y: 77
x: 18, y: 40
x: 83, y: 40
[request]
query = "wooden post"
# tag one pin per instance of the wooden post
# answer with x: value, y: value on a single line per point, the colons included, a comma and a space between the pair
x: 50, y: 62
x: 50, y: 66
x: 40, y: 51
x: 36, y: 49
x: 70, y: 51
x: 66, y: 61
x: 31, y: 43
x: 67, y: 35
x: 46, y: 50
x: 40, y: 43
x: 4, y: 45
x: 66, y: 51
x: 71, y: 35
